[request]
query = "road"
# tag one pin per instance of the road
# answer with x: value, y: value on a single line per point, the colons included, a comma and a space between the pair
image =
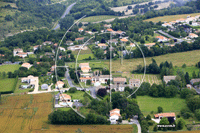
x: 91, y: 88
x: 197, y: 90
x: 64, y: 14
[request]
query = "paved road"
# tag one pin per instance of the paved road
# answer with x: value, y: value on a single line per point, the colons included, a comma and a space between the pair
x: 197, y: 90
x: 138, y: 125
x: 92, y: 88
x: 65, y: 13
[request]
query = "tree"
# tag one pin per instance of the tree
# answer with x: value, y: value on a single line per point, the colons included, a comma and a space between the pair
x: 66, y: 22
x: 88, y: 82
x: 187, y: 78
x: 155, y: 129
x: 102, y: 92
x: 120, y: 120
x: 160, y: 109
x: 194, y: 74
x: 72, y: 90
x: 197, y: 114
x: 164, y: 121
x: 180, y: 124
x: 185, y: 92
x: 148, y: 117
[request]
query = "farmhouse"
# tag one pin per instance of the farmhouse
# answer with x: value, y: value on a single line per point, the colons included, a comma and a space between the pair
x: 171, y: 117
x: 114, y: 116
x: 59, y: 84
x: 168, y: 78
x: 27, y: 65
x: 134, y: 82
x: 119, y: 80
x: 162, y: 38
x: 102, y: 45
x: 192, y: 81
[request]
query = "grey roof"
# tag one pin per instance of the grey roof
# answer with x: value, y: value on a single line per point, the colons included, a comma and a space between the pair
x: 169, y: 77
x: 134, y: 80
x: 195, y: 80
x: 105, y: 76
x: 44, y: 86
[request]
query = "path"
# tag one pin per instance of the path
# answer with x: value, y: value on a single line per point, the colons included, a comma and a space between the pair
x: 64, y: 14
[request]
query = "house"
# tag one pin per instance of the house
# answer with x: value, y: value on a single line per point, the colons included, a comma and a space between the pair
x: 77, y: 47
x: 181, y: 20
x: 102, y: 45
x: 84, y: 79
x: 47, y: 43
x: 79, y: 39
x: 171, y: 117
x: 167, y: 25
x: 84, y: 65
x: 119, y: 32
x: 16, y: 51
x: 69, y: 43
x: 119, y: 80
x: 123, y: 40
x: 22, y: 54
x: 80, y: 30
x: 118, y: 87
x: 134, y: 82
x: 65, y: 100
x: 188, y: 20
x: 109, y: 30
x: 36, y: 47
x: 189, y: 86
x: 89, y: 32
x: 55, y: 45
x: 104, y: 78
x: 192, y: 35
x: 168, y: 78
x: 61, y: 49
x: 115, y: 41
x: 195, y: 23
x: 192, y: 81
x: 149, y: 44
x: 59, y: 84
x: 162, y: 39
x: 27, y: 65
x: 31, y: 80
x: 114, y: 116
x: 132, y: 44
x: 53, y: 68
x: 85, y: 69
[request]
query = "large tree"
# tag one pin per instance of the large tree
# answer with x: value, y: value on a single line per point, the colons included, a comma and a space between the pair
x: 66, y: 22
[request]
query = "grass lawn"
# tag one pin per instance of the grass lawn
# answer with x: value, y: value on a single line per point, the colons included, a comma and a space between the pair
x: 171, y: 17
x: 97, y: 18
x: 148, y: 104
x: 88, y: 51
x: 76, y: 95
x: 84, y: 56
x: 189, y: 69
x: 7, y: 84
x: 9, y: 68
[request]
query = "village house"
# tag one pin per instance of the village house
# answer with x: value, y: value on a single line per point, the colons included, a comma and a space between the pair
x: 181, y: 20
x: 134, y: 82
x: 192, y: 81
x: 16, y: 51
x: 69, y: 43
x: 27, y: 65
x: 104, y: 78
x: 162, y: 39
x: 132, y: 44
x: 118, y: 87
x: 192, y: 35
x: 109, y: 30
x: 168, y: 78
x: 22, y: 54
x: 167, y: 25
x: 31, y: 80
x: 149, y: 45
x: 89, y: 32
x: 115, y: 41
x: 65, y: 100
x: 123, y: 40
x: 59, y: 84
x: 79, y: 39
x: 114, y: 116
x: 77, y: 47
x: 107, y: 26
x: 188, y: 20
x: 80, y: 30
x: 119, y: 80
x: 171, y: 117
x: 85, y: 72
x: 47, y: 43
x: 102, y: 45
x: 119, y: 32
x: 62, y: 49
x: 36, y: 47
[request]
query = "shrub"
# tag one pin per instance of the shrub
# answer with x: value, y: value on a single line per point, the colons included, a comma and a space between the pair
x: 180, y: 124
x: 148, y: 117
x: 72, y: 90
x: 197, y: 114
x: 160, y: 109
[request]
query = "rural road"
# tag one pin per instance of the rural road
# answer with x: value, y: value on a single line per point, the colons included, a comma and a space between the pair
x: 64, y: 14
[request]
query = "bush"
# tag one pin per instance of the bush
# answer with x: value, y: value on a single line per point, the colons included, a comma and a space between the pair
x: 102, y: 92
x: 155, y: 129
x: 151, y: 123
x: 160, y: 109
x: 148, y: 117
x: 197, y: 114
x: 72, y: 90
x: 180, y: 124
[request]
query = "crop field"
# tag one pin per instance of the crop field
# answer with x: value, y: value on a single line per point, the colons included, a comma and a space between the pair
x: 7, y: 84
x: 97, y: 18
x: 29, y: 113
x: 171, y: 17
x: 9, y: 68
x: 148, y: 104
x: 151, y: 78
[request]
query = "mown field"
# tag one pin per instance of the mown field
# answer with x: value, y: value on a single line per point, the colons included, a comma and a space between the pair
x: 171, y: 17
x: 9, y: 68
x: 148, y: 104
x: 7, y: 84
x: 97, y: 18
x: 29, y: 113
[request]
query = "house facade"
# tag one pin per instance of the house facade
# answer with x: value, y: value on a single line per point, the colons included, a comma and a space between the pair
x: 168, y: 78
x: 114, y: 116
x: 134, y: 82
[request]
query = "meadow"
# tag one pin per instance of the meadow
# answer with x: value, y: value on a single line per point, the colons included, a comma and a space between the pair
x: 7, y: 85
x: 9, y: 68
x: 97, y: 18
x: 171, y: 17
x: 29, y: 113
x: 148, y: 104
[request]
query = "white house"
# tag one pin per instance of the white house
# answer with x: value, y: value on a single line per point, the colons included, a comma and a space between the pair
x: 27, y: 65
x: 114, y: 116
x: 47, y: 43
x: 62, y: 49
x: 167, y: 24
x: 162, y: 39
x: 65, y: 100
x: 104, y: 78
x: 59, y: 84
x: 159, y: 116
x: 168, y: 78
x: 69, y: 43
x: 102, y: 45
x: 77, y: 47
x: 192, y: 35
x: 134, y: 82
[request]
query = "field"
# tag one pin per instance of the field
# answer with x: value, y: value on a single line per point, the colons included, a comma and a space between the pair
x: 9, y: 68
x: 148, y: 104
x: 76, y: 95
x: 7, y: 84
x: 171, y: 17
x: 97, y: 18
x: 29, y: 113
x: 84, y: 56
x: 189, y: 69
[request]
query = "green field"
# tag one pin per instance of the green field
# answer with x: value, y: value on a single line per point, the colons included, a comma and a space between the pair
x: 97, y: 18
x: 84, y: 56
x: 9, y: 68
x: 171, y: 17
x: 148, y: 104
x: 7, y: 84
x: 76, y: 95
x: 189, y: 69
